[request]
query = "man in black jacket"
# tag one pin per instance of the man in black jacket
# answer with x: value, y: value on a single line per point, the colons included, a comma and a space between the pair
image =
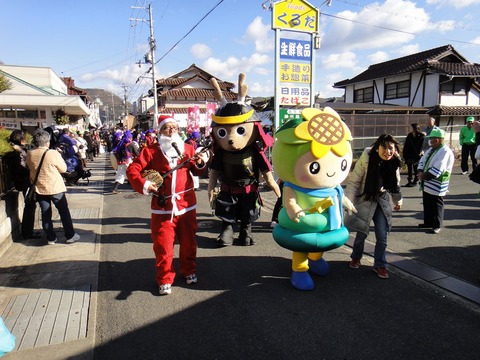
x: 412, y: 152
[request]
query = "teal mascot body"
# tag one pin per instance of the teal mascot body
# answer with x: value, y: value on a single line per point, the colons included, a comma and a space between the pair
x: 312, y: 156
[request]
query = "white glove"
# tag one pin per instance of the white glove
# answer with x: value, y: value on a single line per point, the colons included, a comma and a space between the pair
x: 348, y: 205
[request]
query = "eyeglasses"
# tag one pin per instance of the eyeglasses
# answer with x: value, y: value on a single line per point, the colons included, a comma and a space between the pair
x: 168, y: 128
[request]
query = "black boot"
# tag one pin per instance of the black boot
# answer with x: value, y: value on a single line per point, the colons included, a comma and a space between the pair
x: 245, y: 238
x: 115, y: 188
x: 226, y: 236
x: 410, y: 184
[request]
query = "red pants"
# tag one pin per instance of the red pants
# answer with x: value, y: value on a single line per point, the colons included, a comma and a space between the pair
x: 184, y: 227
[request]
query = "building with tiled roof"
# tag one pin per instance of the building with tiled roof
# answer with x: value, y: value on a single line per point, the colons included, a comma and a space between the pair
x: 188, y: 88
x: 428, y: 79
x: 438, y: 82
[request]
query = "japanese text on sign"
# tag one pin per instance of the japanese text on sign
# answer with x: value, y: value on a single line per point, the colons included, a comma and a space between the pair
x: 295, y: 72
x: 295, y: 15
x: 294, y: 95
x: 295, y: 49
x: 287, y: 114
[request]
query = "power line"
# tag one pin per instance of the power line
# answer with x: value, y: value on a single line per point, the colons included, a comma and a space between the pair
x: 396, y: 30
x: 188, y: 33
x: 182, y: 38
x: 393, y: 13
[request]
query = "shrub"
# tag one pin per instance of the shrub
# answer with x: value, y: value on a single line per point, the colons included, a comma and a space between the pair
x: 5, y: 146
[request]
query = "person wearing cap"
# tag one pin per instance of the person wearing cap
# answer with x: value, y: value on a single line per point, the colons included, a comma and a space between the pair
x: 174, y: 202
x: 125, y: 151
x: 467, y: 142
x: 149, y: 137
x: 476, y: 128
x: 434, y: 171
x: 412, y: 151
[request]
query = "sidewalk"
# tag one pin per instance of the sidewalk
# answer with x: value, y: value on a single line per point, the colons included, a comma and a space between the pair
x: 48, y: 293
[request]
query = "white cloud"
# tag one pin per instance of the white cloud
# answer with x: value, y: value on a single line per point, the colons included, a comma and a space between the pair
x: 343, y: 60
x: 408, y: 50
x: 261, y: 89
x: 324, y: 85
x: 376, y: 29
x: 378, y: 57
x: 230, y: 68
x: 443, y: 26
x: 455, y: 3
x: 127, y: 75
x: 201, y: 51
x: 261, y: 35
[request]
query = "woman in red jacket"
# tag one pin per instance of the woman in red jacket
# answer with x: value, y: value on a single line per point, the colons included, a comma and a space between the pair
x: 173, y: 204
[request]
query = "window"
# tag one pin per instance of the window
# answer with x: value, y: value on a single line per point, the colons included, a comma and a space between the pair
x: 363, y: 95
x: 27, y: 114
x: 457, y: 86
x: 9, y: 114
x: 397, y: 90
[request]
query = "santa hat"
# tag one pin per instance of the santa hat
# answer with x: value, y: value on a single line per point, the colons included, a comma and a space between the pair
x: 163, y: 119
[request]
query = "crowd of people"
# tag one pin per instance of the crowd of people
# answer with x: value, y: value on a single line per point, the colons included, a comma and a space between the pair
x: 373, y: 186
x: 67, y: 153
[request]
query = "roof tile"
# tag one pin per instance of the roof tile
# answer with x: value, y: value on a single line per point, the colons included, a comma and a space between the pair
x: 429, y: 60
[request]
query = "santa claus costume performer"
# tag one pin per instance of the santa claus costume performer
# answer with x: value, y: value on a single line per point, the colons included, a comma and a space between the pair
x: 173, y: 204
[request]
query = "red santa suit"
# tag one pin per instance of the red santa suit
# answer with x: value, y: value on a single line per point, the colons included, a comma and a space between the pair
x: 173, y: 209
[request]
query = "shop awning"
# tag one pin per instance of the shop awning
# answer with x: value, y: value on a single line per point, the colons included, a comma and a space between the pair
x: 71, y: 104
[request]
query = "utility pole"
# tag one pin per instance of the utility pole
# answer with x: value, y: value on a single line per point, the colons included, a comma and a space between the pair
x: 125, y: 110
x: 113, y: 111
x: 152, y: 53
x: 150, y: 58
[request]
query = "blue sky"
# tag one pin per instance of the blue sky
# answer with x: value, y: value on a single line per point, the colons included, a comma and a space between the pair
x: 97, y: 44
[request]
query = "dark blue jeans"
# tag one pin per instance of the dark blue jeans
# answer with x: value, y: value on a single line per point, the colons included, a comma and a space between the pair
x: 381, y: 231
x: 60, y: 202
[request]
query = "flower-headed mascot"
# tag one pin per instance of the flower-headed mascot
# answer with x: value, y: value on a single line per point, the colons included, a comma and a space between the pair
x: 239, y: 145
x: 313, y: 156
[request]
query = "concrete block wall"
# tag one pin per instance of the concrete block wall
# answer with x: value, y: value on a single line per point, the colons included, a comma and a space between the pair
x: 11, y: 210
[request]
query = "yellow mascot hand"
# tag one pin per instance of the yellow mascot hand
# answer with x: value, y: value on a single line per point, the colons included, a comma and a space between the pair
x: 321, y: 205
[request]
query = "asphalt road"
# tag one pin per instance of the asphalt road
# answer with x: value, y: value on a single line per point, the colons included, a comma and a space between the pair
x: 244, y: 307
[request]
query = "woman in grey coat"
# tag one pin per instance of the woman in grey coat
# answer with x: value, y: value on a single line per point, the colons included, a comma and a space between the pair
x: 374, y: 181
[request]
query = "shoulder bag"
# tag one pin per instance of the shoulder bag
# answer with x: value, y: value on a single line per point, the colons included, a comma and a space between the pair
x: 30, y: 193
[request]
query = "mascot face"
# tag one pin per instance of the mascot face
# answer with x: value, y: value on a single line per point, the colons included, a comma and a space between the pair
x: 315, y: 152
x: 235, y: 137
x: 329, y: 171
x: 234, y: 126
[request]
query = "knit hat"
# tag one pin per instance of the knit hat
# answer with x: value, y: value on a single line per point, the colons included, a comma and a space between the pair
x: 163, y: 119
x: 470, y: 119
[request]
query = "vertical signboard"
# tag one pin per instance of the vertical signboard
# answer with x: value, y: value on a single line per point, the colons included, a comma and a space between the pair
x: 210, y: 109
x: 294, y: 58
x: 289, y: 114
x: 295, y: 76
x: 193, y: 121
x: 295, y: 15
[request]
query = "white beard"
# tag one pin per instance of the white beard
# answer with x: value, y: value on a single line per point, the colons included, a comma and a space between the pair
x: 166, y: 145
